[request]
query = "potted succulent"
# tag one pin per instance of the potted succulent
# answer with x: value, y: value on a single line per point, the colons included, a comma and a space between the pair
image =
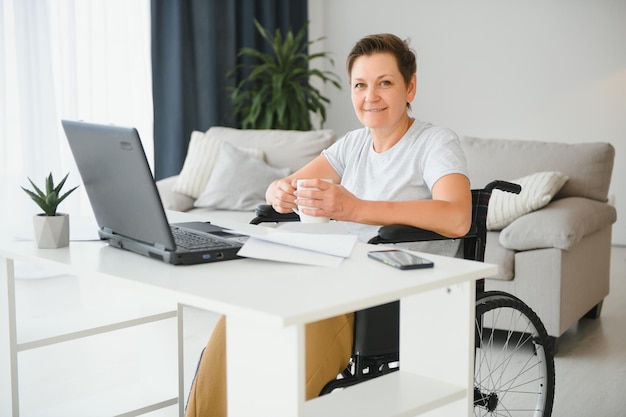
x: 275, y: 91
x: 52, y: 229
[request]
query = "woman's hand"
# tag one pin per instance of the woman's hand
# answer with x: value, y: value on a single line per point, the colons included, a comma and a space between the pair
x: 280, y: 195
x: 325, y: 199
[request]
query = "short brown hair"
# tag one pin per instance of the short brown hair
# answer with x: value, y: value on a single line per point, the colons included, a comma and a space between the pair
x: 386, y: 42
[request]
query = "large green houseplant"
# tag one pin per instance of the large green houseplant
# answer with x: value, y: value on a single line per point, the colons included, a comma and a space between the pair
x: 276, y: 91
x: 51, y: 228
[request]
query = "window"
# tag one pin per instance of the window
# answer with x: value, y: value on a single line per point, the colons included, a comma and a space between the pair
x: 75, y: 59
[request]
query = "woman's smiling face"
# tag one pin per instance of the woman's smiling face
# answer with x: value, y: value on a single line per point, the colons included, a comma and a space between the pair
x: 379, y: 93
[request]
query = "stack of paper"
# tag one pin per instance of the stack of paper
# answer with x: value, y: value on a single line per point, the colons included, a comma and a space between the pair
x: 301, y: 248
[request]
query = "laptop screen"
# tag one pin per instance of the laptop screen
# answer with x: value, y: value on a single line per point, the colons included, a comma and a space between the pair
x: 118, y: 181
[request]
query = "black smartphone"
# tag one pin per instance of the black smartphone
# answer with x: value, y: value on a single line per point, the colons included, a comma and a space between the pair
x: 400, y: 259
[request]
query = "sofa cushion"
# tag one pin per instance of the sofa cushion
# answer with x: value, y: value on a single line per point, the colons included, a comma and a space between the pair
x: 202, y: 155
x: 537, y: 191
x: 562, y: 224
x: 495, y: 253
x: 283, y: 148
x: 495, y: 159
x: 171, y: 199
x: 238, y: 181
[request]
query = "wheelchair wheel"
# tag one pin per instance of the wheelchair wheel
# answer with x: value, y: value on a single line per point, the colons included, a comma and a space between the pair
x: 514, y: 363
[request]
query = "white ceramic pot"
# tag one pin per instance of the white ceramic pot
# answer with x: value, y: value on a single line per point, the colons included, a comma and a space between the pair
x: 52, y: 232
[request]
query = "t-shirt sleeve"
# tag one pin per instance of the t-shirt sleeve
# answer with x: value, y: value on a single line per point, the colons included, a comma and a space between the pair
x: 333, y: 155
x: 338, y: 153
x: 444, y: 156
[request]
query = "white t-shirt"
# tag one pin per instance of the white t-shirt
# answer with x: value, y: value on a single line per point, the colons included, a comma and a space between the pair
x: 405, y: 172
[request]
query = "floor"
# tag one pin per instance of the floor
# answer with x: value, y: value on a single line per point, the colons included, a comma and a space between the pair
x: 591, y: 363
x: 590, y: 366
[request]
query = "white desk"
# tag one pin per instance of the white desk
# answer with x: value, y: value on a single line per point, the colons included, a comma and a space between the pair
x: 268, y: 304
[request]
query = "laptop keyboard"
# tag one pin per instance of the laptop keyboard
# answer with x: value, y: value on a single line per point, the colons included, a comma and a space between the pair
x: 189, y: 240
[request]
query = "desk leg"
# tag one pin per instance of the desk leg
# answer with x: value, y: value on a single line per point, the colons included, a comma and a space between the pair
x: 265, y: 369
x: 181, y: 360
x: 443, y: 347
x: 9, y: 396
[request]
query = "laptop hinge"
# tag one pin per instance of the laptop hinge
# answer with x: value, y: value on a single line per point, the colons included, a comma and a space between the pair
x: 159, y: 247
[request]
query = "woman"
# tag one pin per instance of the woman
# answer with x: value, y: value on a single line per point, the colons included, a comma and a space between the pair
x: 388, y: 170
x: 395, y: 170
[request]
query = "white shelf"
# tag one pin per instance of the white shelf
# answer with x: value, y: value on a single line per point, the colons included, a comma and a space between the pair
x: 138, y: 399
x: 404, y: 394
x: 63, y: 308
x: 110, y: 374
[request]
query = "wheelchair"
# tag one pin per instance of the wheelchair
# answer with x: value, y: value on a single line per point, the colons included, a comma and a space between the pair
x: 514, y: 356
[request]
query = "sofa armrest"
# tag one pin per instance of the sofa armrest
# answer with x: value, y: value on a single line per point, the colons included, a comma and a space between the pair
x: 561, y: 224
x: 171, y: 199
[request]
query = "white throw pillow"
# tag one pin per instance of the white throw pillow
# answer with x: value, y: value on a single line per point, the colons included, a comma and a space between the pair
x: 238, y: 181
x: 537, y: 191
x: 200, y: 161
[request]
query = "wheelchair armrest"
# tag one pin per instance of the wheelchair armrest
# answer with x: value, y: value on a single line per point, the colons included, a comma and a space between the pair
x: 509, y: 187
x: 266, y: 213
x: 398, y: 233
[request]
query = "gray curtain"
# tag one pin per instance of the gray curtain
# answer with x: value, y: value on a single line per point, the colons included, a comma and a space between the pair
x: 194, y: 46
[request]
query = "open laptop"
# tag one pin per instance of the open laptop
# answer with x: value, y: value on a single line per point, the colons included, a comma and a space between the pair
x: 126, y: 202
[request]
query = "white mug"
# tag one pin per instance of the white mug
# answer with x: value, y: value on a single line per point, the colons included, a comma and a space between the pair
x: 306, y: 218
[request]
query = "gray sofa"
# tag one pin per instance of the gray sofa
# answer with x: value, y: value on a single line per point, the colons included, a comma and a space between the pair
x: 555, y: 258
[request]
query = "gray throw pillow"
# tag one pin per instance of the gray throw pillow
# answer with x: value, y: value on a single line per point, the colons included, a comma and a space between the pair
x: 238, y: 181
x: 202, y: 155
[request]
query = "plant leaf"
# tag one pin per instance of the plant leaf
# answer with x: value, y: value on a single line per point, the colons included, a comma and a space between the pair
x: 50, y: 200
x: 64, y: 196
x: 49, y: 184
x: 276, y: 93
x: 37, y: 190
x: 60, y: 185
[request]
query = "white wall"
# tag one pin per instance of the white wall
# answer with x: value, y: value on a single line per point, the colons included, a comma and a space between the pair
x: 550, y: 71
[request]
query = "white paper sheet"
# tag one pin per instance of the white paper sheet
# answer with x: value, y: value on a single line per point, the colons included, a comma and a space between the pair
x: 337, y: 245
x: 262, y: 249
x: 302, y: 248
